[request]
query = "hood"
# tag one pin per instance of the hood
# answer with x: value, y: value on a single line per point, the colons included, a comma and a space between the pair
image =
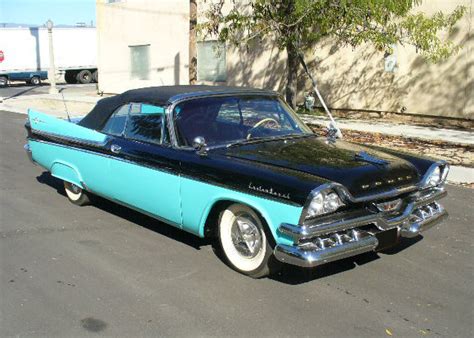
x: 360, y: 169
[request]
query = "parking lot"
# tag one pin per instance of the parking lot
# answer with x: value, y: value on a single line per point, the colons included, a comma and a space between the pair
x: 107, y: 270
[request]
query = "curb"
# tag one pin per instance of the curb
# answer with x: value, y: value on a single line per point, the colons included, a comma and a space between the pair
x: 461, y: 175
x: 12, y: 109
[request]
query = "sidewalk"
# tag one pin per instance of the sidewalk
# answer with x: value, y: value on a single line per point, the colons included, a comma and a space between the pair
x: 404, y: 130
x: 79, y: 104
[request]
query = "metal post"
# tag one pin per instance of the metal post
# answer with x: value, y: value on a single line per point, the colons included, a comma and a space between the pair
x: 52, y: 68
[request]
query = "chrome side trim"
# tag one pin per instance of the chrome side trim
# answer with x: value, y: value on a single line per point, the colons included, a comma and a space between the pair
x: 297, y: 255
x: 71, y: 139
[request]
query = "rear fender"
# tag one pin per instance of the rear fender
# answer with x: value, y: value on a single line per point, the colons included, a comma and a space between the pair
x: 66, y: 172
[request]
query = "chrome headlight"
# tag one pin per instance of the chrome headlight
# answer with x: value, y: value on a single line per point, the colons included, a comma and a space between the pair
x: 436, y: 175
x: 322, y: 202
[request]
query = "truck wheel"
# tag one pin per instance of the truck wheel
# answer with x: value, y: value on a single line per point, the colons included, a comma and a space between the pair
x: 75, y: 194
x: 35, y: 81
x: 70, y: 77
x: 95, y: 76
x: 243, y: 241
x: 84, y: 76
x: 3, y: 81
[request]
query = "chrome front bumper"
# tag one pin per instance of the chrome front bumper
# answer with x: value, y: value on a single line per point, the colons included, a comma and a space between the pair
x: 338, y: 238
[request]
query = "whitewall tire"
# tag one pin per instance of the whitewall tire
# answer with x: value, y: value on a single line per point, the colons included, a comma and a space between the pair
x: 76, y: 194
x: 244, y: 242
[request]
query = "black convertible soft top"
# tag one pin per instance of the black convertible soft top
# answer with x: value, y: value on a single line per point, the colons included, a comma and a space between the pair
x: 161, y: 96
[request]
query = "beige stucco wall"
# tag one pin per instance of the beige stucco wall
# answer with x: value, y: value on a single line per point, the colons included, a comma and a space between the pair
x: 161, y: 23
x: 357, y: 80
x: 349, y: 79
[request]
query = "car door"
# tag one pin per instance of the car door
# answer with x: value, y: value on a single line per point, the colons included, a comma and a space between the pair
x: 143, y: 168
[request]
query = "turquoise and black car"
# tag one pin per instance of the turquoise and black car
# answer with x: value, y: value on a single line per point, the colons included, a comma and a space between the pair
x: 238, y: 165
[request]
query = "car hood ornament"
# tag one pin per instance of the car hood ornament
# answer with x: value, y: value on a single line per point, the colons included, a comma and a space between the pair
x: 365, y: 157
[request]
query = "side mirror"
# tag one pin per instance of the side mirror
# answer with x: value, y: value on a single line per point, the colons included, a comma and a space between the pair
x: 199, y: 143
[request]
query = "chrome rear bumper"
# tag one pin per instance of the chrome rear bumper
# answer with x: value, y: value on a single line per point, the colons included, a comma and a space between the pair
x: 316, y: 244
x: 29, y: 153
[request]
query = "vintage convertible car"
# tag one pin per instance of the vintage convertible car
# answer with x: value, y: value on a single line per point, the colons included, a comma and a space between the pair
x: 239, y: 165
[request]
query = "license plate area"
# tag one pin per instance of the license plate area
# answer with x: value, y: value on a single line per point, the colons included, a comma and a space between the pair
x: 387, y: 239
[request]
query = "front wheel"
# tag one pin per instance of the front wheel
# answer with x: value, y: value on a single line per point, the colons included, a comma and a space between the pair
x: 244, y: 242
x: 75, y: 194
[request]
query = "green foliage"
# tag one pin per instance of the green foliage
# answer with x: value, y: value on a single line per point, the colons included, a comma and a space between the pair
x: 303, y: 23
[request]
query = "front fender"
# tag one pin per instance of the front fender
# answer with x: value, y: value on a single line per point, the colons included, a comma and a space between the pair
x: 198, y: 199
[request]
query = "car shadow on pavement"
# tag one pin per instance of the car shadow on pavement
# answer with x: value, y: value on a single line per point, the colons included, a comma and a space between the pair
x: 28, y: 89
x: 131, y: 215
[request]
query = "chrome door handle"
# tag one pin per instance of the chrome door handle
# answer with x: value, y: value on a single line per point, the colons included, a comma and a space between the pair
x: 115, y: 148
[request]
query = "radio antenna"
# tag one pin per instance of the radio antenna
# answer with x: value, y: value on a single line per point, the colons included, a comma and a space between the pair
x: 65, y: 106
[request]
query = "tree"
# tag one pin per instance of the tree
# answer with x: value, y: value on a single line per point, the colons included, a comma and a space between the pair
x: 192, y: 42
x: 297, y: 26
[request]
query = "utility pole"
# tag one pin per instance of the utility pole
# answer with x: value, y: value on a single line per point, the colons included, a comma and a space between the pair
x: 52, y: 68
x: 192, y: 42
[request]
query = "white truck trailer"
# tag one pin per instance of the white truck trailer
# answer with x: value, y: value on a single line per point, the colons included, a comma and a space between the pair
x: 24, y: 54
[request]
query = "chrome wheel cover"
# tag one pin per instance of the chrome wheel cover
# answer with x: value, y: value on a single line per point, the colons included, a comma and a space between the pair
x: 246, y: 236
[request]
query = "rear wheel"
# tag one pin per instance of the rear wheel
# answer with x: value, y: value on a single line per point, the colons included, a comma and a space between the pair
x: 244, y: 242
x: 76, y: 194
x: 84, y: 76
x: 70, y: 77
x: 3, y: 81
x: 35, y: 81
x: 95, y: 76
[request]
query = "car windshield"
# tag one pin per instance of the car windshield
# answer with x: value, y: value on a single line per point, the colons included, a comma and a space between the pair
x: 236, y: 119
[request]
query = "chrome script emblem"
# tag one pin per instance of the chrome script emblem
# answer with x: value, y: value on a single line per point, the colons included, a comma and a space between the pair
x: 269, y: 191
x: 389, y: 206
x: 363, y: 156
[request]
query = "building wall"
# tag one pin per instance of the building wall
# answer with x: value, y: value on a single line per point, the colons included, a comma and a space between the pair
x: 349, y: 79
x: 357, y: 79
x: 161, y: 24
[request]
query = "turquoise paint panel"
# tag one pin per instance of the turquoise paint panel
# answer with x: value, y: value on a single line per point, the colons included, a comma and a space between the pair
x: 66, y: 173
x: 151, y: 190
x: 152, y: 110
x: 49, y: 124
x: 197, y: 199
x: 84, y: 166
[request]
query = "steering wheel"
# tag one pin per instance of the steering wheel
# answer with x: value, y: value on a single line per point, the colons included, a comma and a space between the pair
x: 259, y: 124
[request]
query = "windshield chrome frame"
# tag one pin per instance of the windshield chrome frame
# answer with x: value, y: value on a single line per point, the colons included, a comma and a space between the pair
x: 172, y: 128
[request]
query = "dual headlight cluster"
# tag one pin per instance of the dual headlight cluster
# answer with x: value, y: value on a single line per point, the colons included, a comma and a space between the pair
x: 323, y: 202
x: 326, y: 200
x: 437, y: 176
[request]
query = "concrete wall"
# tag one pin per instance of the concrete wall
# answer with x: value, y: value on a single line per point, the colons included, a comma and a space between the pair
x: 162, y: 24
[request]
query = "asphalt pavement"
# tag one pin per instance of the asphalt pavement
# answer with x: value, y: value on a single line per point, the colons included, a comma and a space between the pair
x: 107, y: 270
